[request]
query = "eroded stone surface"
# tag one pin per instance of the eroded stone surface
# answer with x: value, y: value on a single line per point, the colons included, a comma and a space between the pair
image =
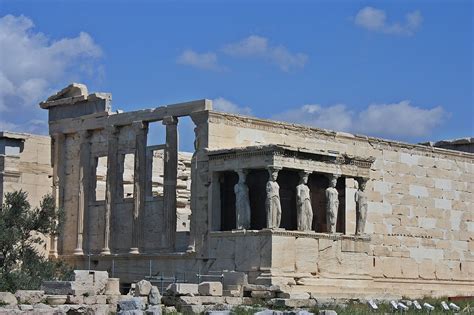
x: 29, y: 296
x: 210, y: 288
x: 155, y: 297
x: 8, y: 298
x: 183, y: 289
x: 143, y: 288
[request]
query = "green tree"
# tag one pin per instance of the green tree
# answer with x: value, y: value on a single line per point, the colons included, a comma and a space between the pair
x: 21, y: 265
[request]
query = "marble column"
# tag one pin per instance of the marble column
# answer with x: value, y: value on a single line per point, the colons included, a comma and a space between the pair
x: 111, y: 184
x: 139, y: 187
x: 272, y: 202
x: 58, y: 175
x: 304, y: 210
x: 84, y: 178
x: 332, y: 203
x: 170, y: 177
x: 200, y: 182
x: 361, y: 206
x: 242, y: 202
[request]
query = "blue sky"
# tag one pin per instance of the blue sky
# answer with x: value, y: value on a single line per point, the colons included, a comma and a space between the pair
x: 397, y: 69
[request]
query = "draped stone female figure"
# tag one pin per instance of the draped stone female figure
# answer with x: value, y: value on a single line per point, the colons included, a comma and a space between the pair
x: 242, y: 202
x: 304, y: 210
x: 332, y: 204
x: 272, y: 203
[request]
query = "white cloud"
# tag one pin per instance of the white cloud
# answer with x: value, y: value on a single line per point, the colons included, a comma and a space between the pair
x: 31, y: 67
x: 205, y: 61
x: 375, y: 20
x: 222, y: 105
x: 250, y: 46
x: 5, y: 125
x: 257, y: 46
x: 336, y: 117
x: 398, y: 120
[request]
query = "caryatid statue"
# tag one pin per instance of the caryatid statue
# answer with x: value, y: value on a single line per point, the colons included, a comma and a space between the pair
x: 242, y: 202
x: 361, y: 206
x: 272, y: 203
x: 332, y: 204
x: 304, y: 210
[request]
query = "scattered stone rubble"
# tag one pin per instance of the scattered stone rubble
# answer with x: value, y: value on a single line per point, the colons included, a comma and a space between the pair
x: 93, y: 292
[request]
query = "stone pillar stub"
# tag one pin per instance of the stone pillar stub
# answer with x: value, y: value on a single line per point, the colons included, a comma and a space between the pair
x: 141, y: 129
x: 111, y: 184
x: 58, y: 175
x: 272, y: 202
x: 84, y: 174
x: 170, y: 177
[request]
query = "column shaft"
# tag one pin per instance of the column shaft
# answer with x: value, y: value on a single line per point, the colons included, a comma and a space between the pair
x: 111, y: 185
x: 58, y: 174
x: 139, y: 178
x: 170, y: 177
x: 84, y: 172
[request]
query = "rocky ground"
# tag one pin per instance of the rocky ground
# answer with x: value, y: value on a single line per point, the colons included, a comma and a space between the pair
x: 93, y: 292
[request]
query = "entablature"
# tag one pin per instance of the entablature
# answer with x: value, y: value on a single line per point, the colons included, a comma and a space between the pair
x: 280, y: 156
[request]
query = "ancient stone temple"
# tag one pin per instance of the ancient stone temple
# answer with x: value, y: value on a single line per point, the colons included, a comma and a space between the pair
x: 308, y: 209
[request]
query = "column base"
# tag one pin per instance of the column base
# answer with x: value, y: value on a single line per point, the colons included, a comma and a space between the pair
x: 105, y: 251
x: 78, y: 251
x: 134, y: 251
x: 53, y: 254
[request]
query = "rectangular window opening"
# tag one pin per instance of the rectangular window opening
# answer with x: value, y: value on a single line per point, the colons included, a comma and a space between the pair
x: 101, y: 178
x: 128, y: 175
x: 156, y: 155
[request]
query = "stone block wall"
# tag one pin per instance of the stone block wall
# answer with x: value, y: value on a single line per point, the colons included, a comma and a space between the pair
x: 420, y: 216
x: 25, y: 163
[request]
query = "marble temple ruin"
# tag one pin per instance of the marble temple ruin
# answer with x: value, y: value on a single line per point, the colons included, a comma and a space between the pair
x: 308, y: 209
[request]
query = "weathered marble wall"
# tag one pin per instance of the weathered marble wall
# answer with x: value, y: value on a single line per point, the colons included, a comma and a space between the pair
x: 420, y: 216
x: 25, y: 163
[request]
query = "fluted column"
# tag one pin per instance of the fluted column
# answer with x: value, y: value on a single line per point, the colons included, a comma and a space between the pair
x: 139, y: 178
x: 84, y: 178
x: 170, y: 177
x: 58, y: 175
x: 111, y: 184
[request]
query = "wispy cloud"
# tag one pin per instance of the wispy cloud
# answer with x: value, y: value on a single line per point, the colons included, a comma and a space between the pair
x: 258, y: 46
x: 222, y: 105
x: 32, y: 65
x: 205, y: 61
x: 375, y: 20
x: 398, y: 120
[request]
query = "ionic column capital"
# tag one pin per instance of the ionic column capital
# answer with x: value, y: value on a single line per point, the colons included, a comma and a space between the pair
x: 85, y: 134
x: 112, y: 130
x: 140, y: 126
x: 170, y: 120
